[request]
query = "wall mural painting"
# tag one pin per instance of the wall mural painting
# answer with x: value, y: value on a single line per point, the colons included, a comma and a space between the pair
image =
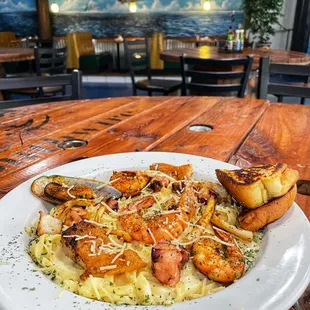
x: 108, y: 18
x: 19, y: 16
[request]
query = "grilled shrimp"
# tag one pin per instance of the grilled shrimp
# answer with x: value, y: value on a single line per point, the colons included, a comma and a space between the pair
x: 130, y: 183
x: 157, y: 228
x: 219, y: 262
x: 178, y: 172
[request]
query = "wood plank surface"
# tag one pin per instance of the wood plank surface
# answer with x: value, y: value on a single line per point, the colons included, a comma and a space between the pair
x: 231, y: 121
x: 207, y: 52
x: 27, y: 129
x: 16, y: 54
x: 281, y: 135
x: 138, y: 132
x: 39, y: 144
x: 245, y: 132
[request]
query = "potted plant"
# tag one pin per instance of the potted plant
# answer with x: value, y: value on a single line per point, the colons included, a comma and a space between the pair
x: 260, y: 18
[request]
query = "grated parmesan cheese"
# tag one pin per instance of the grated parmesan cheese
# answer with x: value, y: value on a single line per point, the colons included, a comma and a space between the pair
x: 152, y: 236
x: 78, y: 237
x: 108, y: 267
x: 114, y: 180
x: 101, y: 186
x: 120, y: 254
x: 68, y: 192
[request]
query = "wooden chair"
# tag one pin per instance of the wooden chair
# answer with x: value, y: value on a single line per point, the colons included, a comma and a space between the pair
x: 205, y: 76
x: 137, y: 53
x: 48, y: 61
x: 74, y: 80
x: 265, y: 87
x: 82, y: 54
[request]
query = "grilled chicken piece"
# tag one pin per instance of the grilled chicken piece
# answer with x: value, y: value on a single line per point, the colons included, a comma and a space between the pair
x: 61, y: 193
x: 129, y: 183
x: 95, y: 240
x: 48, y: 225
x: 73, y: 211
x: 178, y: 172
x: 167, y: 263
x: 157, y: 183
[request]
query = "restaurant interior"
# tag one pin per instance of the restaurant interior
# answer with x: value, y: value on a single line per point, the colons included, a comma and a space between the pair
x: 224, y: 80
x: 91, y: 36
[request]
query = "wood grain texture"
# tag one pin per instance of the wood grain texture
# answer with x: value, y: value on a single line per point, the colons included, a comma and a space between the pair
x: 46, y: 122
x: 42, y: 143
x: 281, y: 135
x: 29, y: 136
x: 231, y: 121
x: 207, y: 52
x: 15, y: 54
x: 245, y: 132
x: 137, y: 133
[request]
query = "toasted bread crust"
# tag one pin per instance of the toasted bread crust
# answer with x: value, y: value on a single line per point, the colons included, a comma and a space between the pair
x: 253, y: 187
x: 254, y: 174
x: 270, y: 212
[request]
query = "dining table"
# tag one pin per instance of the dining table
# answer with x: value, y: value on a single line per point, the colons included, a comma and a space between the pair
x: 10, y: 54
x: 211, y: 52
x: 13, y: 54
x: 243, y: 132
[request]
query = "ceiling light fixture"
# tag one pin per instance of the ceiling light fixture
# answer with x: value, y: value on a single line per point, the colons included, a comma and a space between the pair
x: 54, y: 7
x: 206, y: 6
x: 133, y: 7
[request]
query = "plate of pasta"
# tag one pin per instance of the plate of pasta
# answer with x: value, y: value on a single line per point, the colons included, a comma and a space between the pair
x: 154, y: 230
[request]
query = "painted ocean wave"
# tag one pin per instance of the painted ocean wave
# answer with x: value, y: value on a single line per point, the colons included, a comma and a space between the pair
x: 22, y: 23
x: 140, y: 24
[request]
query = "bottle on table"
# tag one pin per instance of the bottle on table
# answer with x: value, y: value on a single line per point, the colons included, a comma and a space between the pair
x: 242, y: 39
x: 229, y: 42
x: 238, y: 40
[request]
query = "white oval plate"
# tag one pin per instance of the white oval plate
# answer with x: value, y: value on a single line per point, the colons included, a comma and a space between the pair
x: 276, y: 282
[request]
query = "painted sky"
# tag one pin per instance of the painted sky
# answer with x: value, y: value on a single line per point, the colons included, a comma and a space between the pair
x: 116, y: 6
x: 144, y: 6
x: 17, y: 5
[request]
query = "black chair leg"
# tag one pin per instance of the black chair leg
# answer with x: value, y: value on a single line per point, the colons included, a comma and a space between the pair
x: 302, y: 101
x: 149, y: 93
x: 166, y: 93
x: 134, y: 91
x: 280, y: 98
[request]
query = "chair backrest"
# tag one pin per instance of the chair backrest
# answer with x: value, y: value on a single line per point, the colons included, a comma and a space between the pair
x: 74, y: 80
x: 79, y: 44
x: 137, y: 55
x: 265, y: 87
x: 6, y: 37
x: 206, y: 76
x: 50, y: 60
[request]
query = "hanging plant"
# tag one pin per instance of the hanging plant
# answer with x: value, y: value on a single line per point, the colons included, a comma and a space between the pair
x: 261, y: 16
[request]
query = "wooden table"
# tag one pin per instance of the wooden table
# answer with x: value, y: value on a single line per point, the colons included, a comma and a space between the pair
x: 245, y: 132
x: 15, y: 54
x: 207, y: 52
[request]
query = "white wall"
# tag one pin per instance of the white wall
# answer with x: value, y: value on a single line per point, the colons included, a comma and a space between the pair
x: 287, y: 21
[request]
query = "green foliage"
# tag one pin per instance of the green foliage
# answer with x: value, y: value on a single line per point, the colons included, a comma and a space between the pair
x: 261, y: 16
